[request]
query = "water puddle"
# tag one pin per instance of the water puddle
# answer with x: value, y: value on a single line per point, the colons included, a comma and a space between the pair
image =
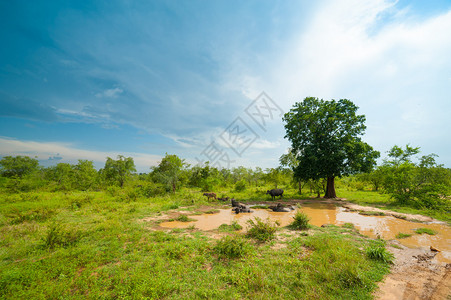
x: 387, y: 227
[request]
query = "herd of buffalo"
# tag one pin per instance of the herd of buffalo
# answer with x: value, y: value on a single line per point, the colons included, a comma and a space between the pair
x: 238, y: 207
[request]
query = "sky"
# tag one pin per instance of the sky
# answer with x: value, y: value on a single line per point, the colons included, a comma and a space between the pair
x: 211, y: 80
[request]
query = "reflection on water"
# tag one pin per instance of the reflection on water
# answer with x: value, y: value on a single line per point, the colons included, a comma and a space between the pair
x: 387, y: 227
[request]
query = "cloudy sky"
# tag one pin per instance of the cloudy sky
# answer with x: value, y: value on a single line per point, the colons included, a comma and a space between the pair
x: 209, y: 80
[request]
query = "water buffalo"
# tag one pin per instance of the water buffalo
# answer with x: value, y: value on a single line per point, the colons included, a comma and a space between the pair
x: 224, y: 199
x: 281, y: 208
x: 241, y: 208
x: 210, y: 195
x: 275, y: 192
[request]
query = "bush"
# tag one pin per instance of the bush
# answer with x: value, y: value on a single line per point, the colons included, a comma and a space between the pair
x: 261, y: 231
x: 300, y: 221
x: 232, y: 247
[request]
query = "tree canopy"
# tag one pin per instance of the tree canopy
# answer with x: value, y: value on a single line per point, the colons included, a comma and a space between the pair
x: 118, y: 170
x: 325, y: 138
x: 18, y: 166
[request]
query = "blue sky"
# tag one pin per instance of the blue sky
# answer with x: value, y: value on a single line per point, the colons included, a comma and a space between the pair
x: 91, y: 79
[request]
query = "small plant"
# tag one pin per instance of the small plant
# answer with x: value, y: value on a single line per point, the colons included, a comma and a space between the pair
x: 425, y: 230
x: 379, y: 253
x: 231, y: 247
x: 260, y: 230
x: 232, y: 227
x: 300, y: 221
x: 403, y: 235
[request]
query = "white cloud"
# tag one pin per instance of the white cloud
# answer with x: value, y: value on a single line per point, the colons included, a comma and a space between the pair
x: 71, y: 154
x: 110, y: 93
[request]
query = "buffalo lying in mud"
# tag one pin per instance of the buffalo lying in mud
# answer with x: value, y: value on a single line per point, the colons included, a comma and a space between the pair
x: 210, y: 195
x: 240, y: 207
x: 275, y: 192
x: 281, y: 208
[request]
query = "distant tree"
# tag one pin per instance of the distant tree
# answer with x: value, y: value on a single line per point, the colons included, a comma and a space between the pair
x: 119, y: 170
x: 18, y: 166
x: 62, y: 174
x: 274, y: 176
x: 85, y: 174
x: 424, y: 183
x: 289, y: 160
x: 170, y: 170
x: 324, y: 136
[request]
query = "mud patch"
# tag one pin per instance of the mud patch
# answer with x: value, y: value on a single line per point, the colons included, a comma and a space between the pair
x: 415, y: 275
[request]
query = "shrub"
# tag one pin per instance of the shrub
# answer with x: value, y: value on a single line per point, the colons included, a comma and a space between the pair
x: 379, y: 253
x: 231, y: 247
x: 300, y: 221
x: 261, y: 231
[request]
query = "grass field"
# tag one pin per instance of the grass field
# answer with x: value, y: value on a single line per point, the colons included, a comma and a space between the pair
x: 94, y: 245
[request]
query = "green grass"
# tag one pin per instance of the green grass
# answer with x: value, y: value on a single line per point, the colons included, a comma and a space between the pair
x: 95, y: 245
x: 425, y: 230
x: 403, y: 235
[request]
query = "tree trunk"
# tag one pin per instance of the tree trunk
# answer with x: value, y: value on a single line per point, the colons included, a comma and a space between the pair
x: 300, y: 187
x: 330, y: 188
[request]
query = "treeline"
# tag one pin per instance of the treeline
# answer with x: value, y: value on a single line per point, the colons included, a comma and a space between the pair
x: 24, y: 174
x: 409, y: 179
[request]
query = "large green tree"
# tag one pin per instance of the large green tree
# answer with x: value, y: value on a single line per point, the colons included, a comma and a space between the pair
x: 325, y: 137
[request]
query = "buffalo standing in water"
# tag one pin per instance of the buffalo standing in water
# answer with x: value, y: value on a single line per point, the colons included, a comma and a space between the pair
x: 275, y: 192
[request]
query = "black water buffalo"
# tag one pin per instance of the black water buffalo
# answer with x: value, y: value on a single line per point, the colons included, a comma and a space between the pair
x: 241, y: 208
x: 281, y: 208
x: 275, y: 192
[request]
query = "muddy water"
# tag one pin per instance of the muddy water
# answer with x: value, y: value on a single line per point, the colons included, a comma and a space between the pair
x: 387, y: 227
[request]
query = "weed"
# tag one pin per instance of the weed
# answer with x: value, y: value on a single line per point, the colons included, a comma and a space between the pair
x: 425, y: 230
x: 403, y: 235
x: 300, y: 221
x: 232, y: 247
x: 260, y: 230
